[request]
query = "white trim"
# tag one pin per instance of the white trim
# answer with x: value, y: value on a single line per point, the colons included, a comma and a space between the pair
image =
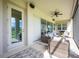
x: 10, y: 6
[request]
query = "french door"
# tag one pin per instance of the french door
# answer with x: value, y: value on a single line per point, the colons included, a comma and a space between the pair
x: 16, y: 25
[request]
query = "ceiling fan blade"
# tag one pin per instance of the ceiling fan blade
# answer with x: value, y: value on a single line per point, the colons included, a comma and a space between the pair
x: 56, y: 15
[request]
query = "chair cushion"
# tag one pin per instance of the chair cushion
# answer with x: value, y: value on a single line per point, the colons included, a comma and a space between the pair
x: 45, y: 39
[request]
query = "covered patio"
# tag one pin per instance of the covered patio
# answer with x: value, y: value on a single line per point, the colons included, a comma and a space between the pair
x: 39, y: 28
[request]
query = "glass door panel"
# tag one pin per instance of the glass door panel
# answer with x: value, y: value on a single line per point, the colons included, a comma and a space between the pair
x: 16, y: 26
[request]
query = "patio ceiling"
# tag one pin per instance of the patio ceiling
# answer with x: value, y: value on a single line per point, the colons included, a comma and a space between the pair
x: 63, y: 6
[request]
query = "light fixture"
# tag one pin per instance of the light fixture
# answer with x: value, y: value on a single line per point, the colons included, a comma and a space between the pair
x: 53, y: 20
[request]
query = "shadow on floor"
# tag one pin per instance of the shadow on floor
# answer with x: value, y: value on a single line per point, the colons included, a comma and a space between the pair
x: 57, y: 46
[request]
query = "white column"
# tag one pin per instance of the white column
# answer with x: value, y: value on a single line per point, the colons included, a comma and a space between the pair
x: 1, y: 27
x: 4, y: 26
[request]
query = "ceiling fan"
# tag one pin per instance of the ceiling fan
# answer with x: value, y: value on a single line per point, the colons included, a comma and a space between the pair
x: 56, y: 13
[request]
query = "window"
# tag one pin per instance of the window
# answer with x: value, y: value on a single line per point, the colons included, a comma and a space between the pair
x: 46, y: 26
x: 16, y: 26
x: 64, y: 26
x: 59, y: 26
x: 49, y: 27
x: 54, y: 26
x: 43, y: 26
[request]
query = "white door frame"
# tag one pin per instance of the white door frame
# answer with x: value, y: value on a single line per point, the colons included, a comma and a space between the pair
x: 10, y: 6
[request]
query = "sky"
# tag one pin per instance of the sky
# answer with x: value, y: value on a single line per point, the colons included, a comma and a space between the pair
x: 13, y: 22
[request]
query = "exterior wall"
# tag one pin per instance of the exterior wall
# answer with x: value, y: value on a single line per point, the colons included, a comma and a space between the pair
x: 34, y: 27
x: 73, y: 46
x: 34, y: 23
x: 1, y: 48
x: 4, y: 22
x: 76, y: 28
x: 70, y: 27
x: 5, y: 26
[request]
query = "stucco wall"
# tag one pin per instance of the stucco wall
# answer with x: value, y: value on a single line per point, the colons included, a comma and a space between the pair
x: 76, y: 27
x: 34, y: 26
x: 4, y: 22
x: 5, y: 26
x: 1, y: 27
x: 73, y: 46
